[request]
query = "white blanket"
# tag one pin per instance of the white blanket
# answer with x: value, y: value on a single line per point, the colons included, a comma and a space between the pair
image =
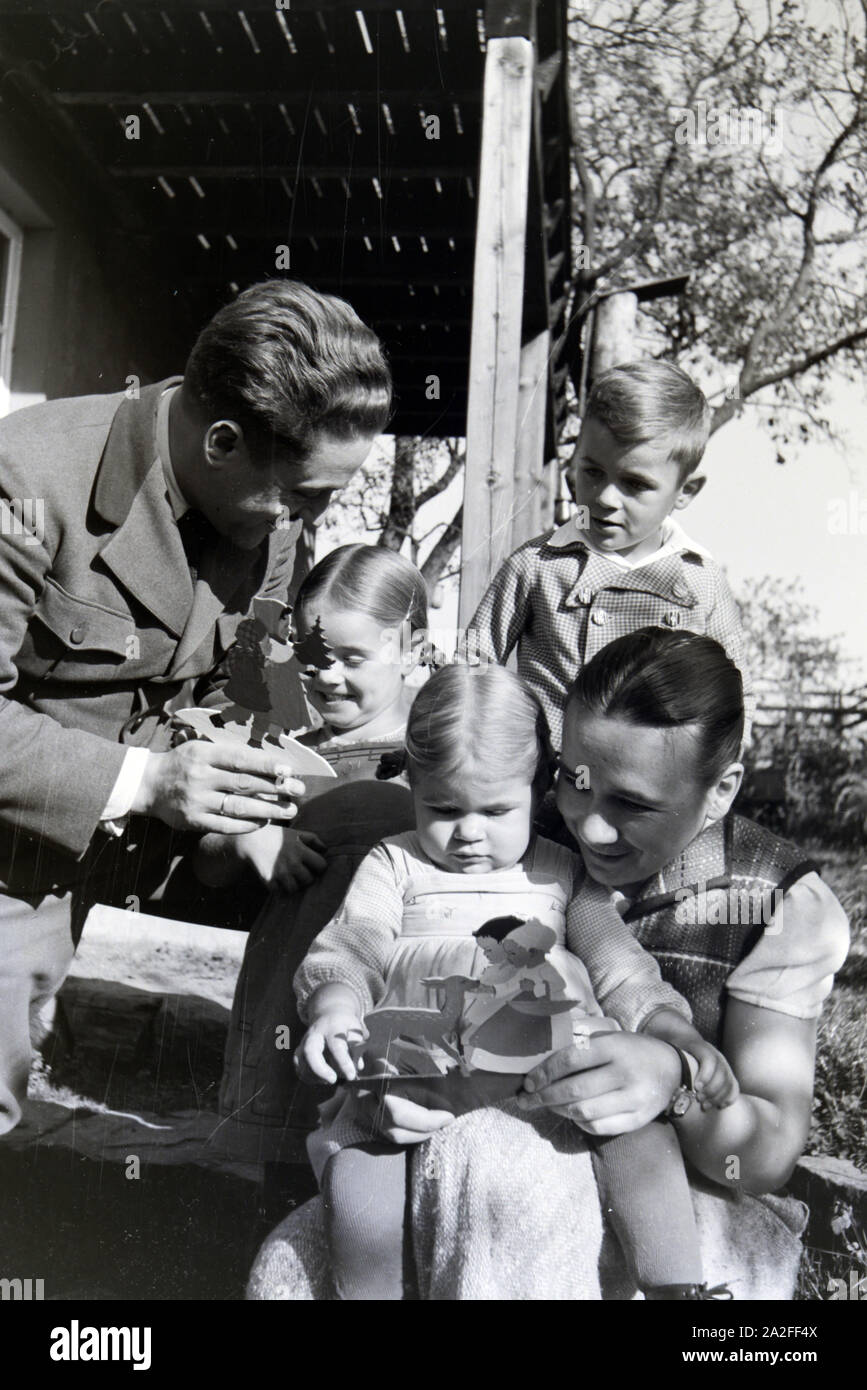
x: 507, y: 1209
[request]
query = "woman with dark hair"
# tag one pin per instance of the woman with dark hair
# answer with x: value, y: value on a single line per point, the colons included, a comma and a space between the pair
x: 740, y: 924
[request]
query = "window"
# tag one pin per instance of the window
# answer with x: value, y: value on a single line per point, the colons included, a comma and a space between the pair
x: 10, y: 273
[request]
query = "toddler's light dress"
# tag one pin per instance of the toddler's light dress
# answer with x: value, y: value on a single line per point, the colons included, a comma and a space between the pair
x: 406, y: 920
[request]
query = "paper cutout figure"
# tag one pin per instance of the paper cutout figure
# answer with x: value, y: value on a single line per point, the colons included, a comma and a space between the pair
x: 505, y: 1022
x: 264, y: 682
x: 305, y: 762
x: 416, y: 1042
x: 313, y: 650
x: 521, y: 1010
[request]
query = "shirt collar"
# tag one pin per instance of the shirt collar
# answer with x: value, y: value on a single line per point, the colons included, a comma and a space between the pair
x: 177, y: 501
x: 675, y: 541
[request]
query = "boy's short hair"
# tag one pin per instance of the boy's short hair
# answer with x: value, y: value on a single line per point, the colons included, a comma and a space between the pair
x: 644, y: 400
x: 287, y: 363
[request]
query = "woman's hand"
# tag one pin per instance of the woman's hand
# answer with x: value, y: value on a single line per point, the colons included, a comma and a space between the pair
x: 615, y: 1083
x: 401, y: 1121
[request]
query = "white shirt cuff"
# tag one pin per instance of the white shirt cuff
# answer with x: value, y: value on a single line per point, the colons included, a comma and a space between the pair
x: 124, y: 791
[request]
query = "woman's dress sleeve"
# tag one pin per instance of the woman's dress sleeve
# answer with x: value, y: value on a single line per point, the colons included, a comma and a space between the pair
x: 791, y: 968
x: 625, y: 978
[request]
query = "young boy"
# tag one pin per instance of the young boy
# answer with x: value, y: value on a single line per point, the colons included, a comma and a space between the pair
x: 622, y: 562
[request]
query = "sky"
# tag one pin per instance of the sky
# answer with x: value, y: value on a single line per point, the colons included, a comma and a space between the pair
x: 758, y: 517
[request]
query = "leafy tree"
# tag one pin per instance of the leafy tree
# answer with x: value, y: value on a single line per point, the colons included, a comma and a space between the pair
x: 768, y: 215
x: 802, y: 732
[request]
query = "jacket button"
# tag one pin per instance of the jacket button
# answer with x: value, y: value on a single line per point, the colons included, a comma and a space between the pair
x: 680, y: 591
x: 585, y: 595
x: 672, y: 618
x: 77, y: 635
x: 598, y: 616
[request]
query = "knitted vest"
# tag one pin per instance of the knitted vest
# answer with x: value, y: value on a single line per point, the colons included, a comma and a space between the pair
x: 714, y: 903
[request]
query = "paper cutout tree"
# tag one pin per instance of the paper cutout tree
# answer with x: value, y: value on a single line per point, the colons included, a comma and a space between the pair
x: 313, y: 650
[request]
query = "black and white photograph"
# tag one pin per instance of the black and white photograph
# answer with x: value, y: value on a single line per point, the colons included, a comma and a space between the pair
x: 433, y: 666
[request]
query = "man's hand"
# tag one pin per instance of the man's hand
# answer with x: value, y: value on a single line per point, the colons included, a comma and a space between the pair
x: 216, y: 786
x: 715, y: 1084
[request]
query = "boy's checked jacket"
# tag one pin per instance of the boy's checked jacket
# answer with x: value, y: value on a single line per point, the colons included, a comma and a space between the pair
x: 560, y: 603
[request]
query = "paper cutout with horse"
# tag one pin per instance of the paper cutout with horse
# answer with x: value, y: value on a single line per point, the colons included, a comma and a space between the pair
x: 481, y: 1035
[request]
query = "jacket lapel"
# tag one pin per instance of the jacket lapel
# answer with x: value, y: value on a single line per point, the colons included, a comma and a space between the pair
x: 225, y: 572
x: 145, y: 551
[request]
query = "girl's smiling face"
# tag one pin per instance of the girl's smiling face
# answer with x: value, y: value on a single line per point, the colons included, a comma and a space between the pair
x: 364, y: 685
x: 473, y: 823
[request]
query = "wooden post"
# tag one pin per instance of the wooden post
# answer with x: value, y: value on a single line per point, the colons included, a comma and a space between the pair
x: 498, y: 290
x: 613, y: 331
x: 532, y: 478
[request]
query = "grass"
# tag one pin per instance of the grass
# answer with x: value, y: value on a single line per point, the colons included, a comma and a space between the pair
x: 839, y: 1125
x: 839, y: 1120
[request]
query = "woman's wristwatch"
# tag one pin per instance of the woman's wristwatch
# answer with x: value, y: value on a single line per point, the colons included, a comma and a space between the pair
x: 685, y: 1092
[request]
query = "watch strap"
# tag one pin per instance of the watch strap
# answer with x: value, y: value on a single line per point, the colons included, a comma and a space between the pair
x: 685, y: 1089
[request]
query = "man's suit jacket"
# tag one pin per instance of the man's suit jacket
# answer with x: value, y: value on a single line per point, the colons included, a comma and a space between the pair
x: 99, y: 618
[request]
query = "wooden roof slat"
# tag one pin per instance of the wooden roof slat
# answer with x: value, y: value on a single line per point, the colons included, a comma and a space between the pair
x: 199, y: 217
x: 323, y: 172
x: 65, y: 8
x: 198, y: 70
x: 366, y: 98
x: 408, y: 207
x: 390, y: 270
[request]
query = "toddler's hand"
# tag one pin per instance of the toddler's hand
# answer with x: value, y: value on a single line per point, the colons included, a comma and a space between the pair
x: 329, y: 1036
x: 716, y: 1085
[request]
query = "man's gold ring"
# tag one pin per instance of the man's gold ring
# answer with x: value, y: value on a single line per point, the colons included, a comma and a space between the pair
x: 226, y: 796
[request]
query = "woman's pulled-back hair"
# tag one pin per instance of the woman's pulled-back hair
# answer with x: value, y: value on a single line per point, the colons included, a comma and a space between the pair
x: 369, y: 579
x: 467, y: 717
x: 287, y: 363
x: 658, y: 678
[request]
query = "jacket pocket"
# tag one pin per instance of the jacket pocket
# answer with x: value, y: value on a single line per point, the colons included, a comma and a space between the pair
x: 75, y: 638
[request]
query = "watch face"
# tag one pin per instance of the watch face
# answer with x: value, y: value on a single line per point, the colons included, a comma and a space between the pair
x: 681, y: 1103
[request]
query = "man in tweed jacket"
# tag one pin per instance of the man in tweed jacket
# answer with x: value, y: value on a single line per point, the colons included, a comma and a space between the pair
x: 621, y: 562
x: 160, y: 518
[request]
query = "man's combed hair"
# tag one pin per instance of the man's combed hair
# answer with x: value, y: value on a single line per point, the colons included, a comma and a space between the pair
x: 286, y: 363
x: 661, y: 679
x: 653, y: 401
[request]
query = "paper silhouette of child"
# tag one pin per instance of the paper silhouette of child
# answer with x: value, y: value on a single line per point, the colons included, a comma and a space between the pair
x: 265, y: 676
x: 521, y: 1011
